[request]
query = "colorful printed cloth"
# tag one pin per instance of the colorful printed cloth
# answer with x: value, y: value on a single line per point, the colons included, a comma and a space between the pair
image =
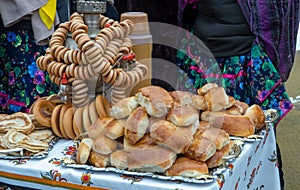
x: 21, y: 81
x: 251, y: 78
x: 274, y: 23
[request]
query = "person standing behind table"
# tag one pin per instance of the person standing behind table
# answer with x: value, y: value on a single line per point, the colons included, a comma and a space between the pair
x: 254, y: 45
x: 24, y: 36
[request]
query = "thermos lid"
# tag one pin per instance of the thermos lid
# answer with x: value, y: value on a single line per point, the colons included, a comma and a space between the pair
x: 140, y: 20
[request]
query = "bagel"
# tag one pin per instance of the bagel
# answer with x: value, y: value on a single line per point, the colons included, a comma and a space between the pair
x: 86, y: 118
x: 61, y: 119
x: 77, y: 121
x: 68, y: 123
x: 102, y: 106
x: 93, y: 112
x: 42, y: 111
x: 55, y: 121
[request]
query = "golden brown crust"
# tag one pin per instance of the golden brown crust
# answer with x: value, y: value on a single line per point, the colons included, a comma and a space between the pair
x: 204, y: 89
x: 146, y: 141
x: 201, y: 149
x: 234, y: 125
x: 198, y: 102
x: 217, y: 159
x: 151, y: 159
x: 187, y: 167
x: 216, y: 99
x: 181, y: 97
x: 168, y: 135
x: 118, y: 159
x: 123, y: 108
x: 257, y: 115
x: 99, y: 160
x: 104, y: 145
x: 136, y: 125
x: 102, y: 106
x: 218, y: 136
x: 84, y: 150
x: 156, y: 100
x: 183, y: 115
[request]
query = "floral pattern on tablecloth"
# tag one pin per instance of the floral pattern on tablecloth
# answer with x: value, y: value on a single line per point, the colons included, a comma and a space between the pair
x: 53, y: 175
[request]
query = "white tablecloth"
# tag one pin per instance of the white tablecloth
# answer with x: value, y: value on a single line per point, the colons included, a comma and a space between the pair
x: 255, y: 168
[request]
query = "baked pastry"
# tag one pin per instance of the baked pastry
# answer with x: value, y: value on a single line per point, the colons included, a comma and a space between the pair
x: 183, y: 115
x: 41, y: 134
x: 18, y: 121
x: 168, y: 135
x: 123, y: 108
x: 217, y: 159
x: 99, y: 160
x: 257, y: 115
x: 218, y: 136
x: 234, y: 125
x: 211, y: 115
x: 154, y: 159
x: 146, y: 141
x: 205, y: 88
x: 156, y: 100
x: 136, y: 125
x: 198, y: 102
x: 114, y: 128
x: 187, y: 167
x: 104, y: 145
x: 118, y: 159
x: 84, y: 150
x: 201, y: 149
x: 181, y: 98
x: 244, y: 106
x: 216, y: 99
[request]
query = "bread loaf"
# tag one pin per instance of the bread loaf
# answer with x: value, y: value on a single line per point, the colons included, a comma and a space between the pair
x: 216, y: 99
x: 156, y: 100
x: 154, y: 159
x: 123, y: 108
x: 187, y: 167
x: 136, y: 125
x: 206, y: 87
x: 168, y: 135
x: 218, y: 136
x: 183, y: 115
x: 181, y: 98
x: 118, y: 159
x: 104, y: 145
x: 99, y: 160
x: 256, y: 114
x: 217, y: 159
x: 84, y: 150
x: 201, y: 149
x: 234, y: 125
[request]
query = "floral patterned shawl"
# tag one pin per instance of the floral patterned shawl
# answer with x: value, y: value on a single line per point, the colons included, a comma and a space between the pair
x: 263, y: 16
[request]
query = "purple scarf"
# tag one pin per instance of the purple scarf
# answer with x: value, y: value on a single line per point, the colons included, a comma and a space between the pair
x: 275, y: 25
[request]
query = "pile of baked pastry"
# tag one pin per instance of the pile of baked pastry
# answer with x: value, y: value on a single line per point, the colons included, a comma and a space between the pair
x: 18, y: 130
x: 172, y: 133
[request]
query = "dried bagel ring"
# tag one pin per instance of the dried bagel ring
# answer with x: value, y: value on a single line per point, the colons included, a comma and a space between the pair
x: 42, y: 111
x: 55, y: 120
x: 68, y: 123
x: 102, y: 106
